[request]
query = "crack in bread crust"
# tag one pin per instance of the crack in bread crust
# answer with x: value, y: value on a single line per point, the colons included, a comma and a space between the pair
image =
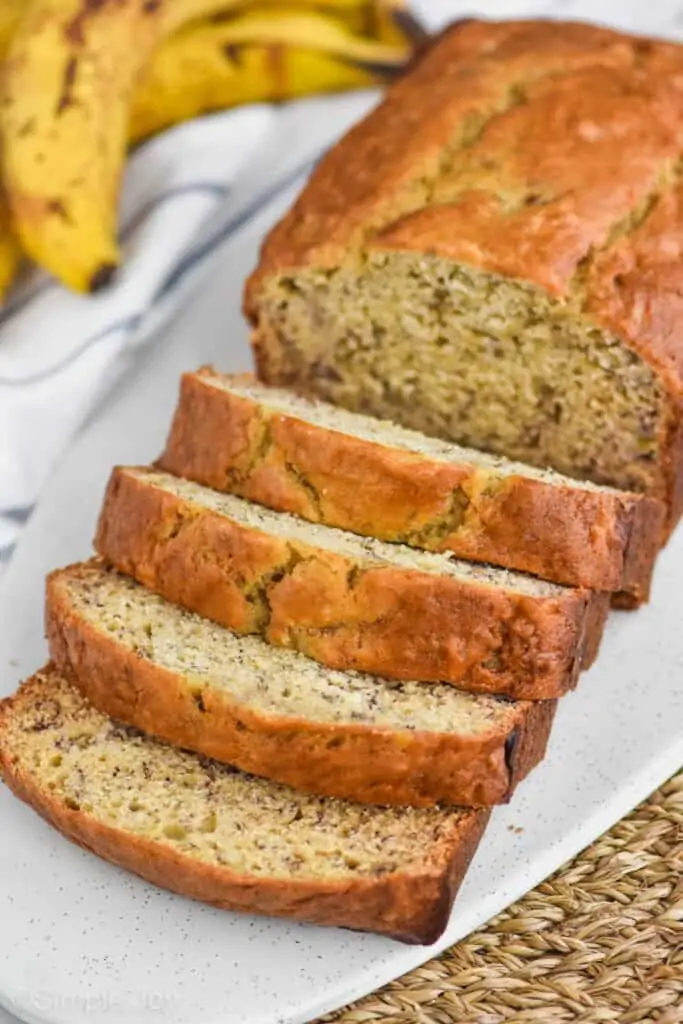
x: 375, y: 479
x: 474, y: 75
x: 404, y: 621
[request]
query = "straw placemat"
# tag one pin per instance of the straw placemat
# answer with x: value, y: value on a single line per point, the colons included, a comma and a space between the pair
x: 601, y: 940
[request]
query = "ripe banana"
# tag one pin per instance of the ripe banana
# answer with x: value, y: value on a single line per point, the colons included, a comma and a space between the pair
x: 69, y: 77
x: 260, y: 55
x: 193, y: 74
x: 291, y: 26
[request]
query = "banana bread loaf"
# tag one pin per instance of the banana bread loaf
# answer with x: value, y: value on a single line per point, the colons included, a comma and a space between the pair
x: 494, y: 256
x: 212, y: 833
x: 276, y: 713
x: 347, y: 601
x: 380, y: 480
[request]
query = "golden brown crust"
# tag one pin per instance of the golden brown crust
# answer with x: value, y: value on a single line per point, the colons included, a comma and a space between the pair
x: 356, y: 762
x: 476, y: 75
x: 593, y: 628
x: 542, y: 152
x: 593, y: 539
x: 673, y: 463
x: 386, y: 620
x: 412, y: 908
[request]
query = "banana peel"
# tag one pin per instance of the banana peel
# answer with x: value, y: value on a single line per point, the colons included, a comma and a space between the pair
x: 196, y: 72
x: 292, y: 26
x: 389, y: 21
x: 70, y: 73
x: 10, y: 250
x: 343, y: 27
x: 263, y: 55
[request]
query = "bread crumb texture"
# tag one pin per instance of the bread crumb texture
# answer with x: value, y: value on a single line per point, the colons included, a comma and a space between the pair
x: 365, y: 551
x: 265, y: 679
x: 385, y: 432
x: 214, y: 813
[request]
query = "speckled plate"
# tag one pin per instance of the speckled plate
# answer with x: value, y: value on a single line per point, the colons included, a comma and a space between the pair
x: 82, y: 941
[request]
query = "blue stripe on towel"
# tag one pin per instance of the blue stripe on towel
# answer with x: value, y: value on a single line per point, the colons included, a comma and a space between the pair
x: 209, y: 245
x: 19, y: 304
x: 20, y: 515
x: 126, y: 323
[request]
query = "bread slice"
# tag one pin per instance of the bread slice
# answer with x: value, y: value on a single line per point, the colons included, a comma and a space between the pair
x: 381, y: 480
x: 215, y: 834
x: 278, y: 714
x: 349, y: 602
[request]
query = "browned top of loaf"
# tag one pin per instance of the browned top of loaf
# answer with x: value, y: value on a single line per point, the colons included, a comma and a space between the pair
x: 544, y: 151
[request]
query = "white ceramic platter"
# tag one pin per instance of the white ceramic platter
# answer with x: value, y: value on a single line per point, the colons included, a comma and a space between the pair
x: 81, y: 941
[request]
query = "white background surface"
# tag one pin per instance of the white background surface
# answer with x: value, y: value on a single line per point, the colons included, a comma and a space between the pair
x: 80, y: 941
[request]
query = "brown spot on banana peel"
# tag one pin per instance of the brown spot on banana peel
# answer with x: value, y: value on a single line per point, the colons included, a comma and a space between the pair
x: 370, y: 15
x: 57, y: 207
x: 73, y: 31
x: 66, y: 96
x: 275, y: 62
x: 33, y: 208
x: 234, y: 53
x: 412, y: 29
x: 27, y: 127
x: 102, y: 276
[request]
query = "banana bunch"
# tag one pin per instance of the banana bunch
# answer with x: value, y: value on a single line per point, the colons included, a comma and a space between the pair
x: 266, y: 53
x: 83, y: 80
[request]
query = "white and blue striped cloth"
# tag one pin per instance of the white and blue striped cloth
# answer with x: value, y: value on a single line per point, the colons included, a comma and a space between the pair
x: 184, y: 193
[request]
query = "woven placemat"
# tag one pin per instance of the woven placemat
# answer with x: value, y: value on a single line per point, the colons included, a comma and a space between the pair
x: 601, y: 940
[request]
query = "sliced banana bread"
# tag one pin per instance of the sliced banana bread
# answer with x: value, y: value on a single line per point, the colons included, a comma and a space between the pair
x: 494, y: 255
x: 347, y: 601
x: 212, y: 833
x: 380, y: 480
x: 278, y: 714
